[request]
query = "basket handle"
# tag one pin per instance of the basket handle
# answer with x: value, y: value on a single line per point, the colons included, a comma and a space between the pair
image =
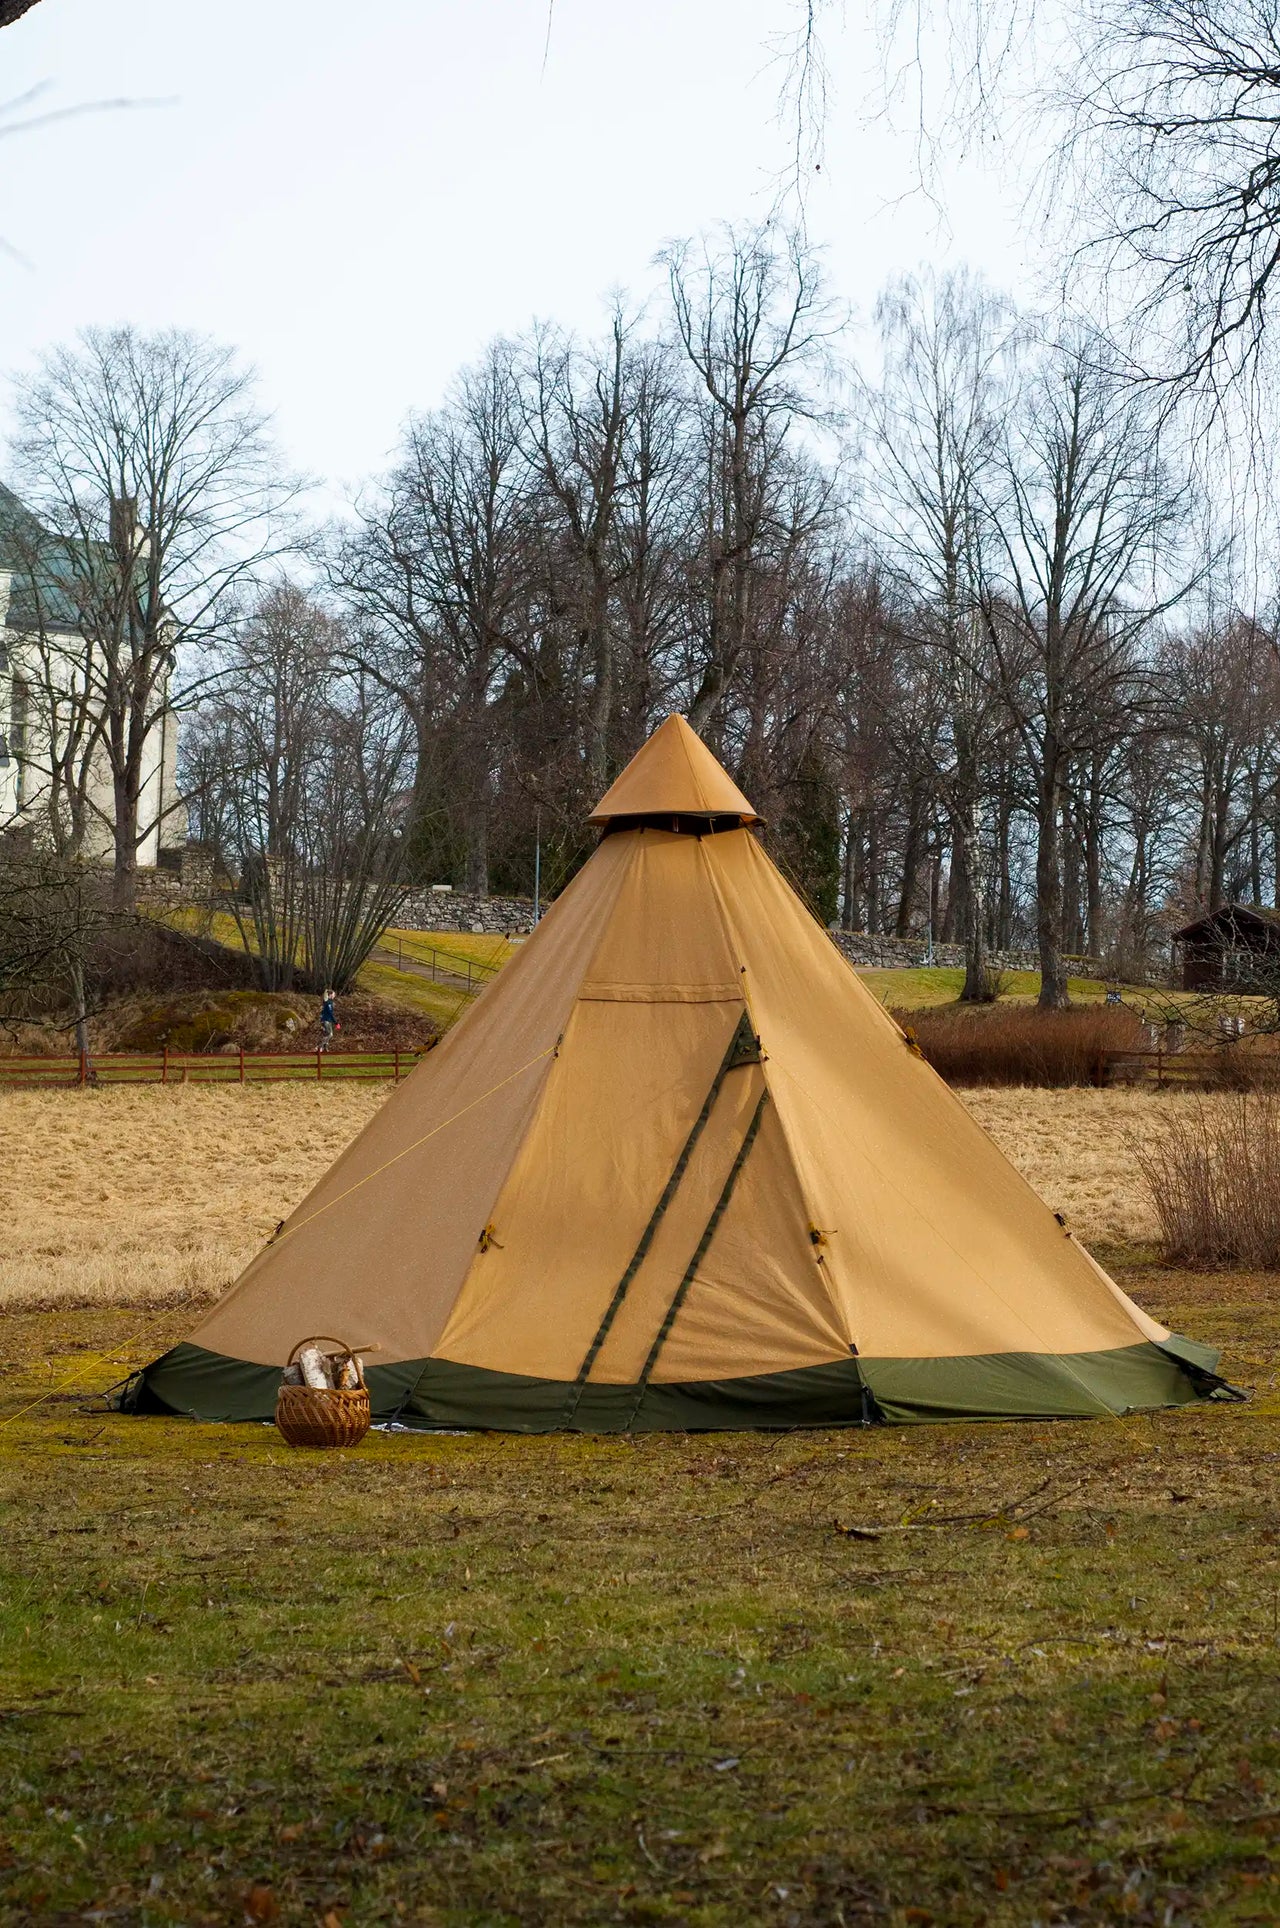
x: 327, y: 1338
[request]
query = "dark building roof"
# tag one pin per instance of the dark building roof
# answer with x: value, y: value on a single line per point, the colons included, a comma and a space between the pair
x: 42, y: 565
x: 1220, y: 926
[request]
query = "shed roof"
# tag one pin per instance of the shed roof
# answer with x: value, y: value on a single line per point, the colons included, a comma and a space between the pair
x: 1219, y: 924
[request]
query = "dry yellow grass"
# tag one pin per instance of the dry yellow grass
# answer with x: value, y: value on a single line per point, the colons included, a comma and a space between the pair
x: 143, y: 1196
x: 137, y: 1196
x: 1075, y: 1147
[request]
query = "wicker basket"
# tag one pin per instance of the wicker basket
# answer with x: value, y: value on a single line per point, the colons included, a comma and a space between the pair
x: 324, y: 1416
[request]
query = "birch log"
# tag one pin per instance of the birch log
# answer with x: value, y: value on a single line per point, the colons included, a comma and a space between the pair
x: 315, y: 1369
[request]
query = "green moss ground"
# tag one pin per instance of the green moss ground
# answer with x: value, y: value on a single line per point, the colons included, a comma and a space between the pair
x: 491, y: 1680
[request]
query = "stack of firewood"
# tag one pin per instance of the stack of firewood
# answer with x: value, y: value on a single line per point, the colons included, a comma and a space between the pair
x: 324, y: 1371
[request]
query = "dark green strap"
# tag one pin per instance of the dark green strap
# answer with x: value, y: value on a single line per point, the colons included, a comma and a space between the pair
x: 744, y: 1048
x: 682, y: 1290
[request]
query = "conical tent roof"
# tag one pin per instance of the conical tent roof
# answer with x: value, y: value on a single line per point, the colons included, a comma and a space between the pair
x: 673, y: 775
x: 677, y: 1168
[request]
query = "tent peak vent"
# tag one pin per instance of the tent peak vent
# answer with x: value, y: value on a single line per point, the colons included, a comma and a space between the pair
x: 674, y: 783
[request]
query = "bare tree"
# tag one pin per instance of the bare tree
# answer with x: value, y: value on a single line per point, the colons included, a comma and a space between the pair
x: 1172, y: 149
x: 53, y: 911
x: 1223, y: 695
x: 934, y: 442
x: 156, y: 492
x: 753, y: 321
x: 1085, y: 522
x: 577, y: 409
x: 435, y: 577
x: 306, y: 770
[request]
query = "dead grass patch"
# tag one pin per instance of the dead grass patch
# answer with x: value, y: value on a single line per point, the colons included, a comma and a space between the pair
x: 154, y: 1195
x: 149, y: 1195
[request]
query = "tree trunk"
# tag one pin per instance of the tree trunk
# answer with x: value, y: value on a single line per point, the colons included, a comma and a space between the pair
x: 1053, y: 976
x: 477, y: 835
x: 1093, y: 934
x: 910, y: 866
x: 846, y: 905
x: 873, y: 871
x: 78, y: 1003
x: 600, y: 708
x: 966, y: 865
x: 125, y: 879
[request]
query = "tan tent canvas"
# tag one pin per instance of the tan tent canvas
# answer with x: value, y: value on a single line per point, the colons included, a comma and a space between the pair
x: 678, y: 1168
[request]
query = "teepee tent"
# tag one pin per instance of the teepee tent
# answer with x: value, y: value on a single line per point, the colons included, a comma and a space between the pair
x: 677, y: 1168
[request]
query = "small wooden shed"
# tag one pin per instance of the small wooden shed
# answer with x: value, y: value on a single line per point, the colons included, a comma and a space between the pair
x: 1236, y: 948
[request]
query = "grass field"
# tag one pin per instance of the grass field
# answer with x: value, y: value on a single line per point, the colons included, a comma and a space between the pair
x: 911, y: 990
x: 484, y: 1680
x: 152, y: 1194
x: 488, y: 1680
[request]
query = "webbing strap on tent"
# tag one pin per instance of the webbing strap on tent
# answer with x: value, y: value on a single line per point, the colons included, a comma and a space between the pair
x: 709, y: 1232
x: 744, y: 1048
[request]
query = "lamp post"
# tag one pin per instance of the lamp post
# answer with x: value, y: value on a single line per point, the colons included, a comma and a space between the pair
x: 537, y: 866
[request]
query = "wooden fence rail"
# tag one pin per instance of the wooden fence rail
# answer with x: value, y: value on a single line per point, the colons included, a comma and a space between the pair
x: 220, y: 1067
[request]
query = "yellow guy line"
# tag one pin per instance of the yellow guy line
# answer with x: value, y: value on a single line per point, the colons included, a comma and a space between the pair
x: 82, y: 1371
x: 288, y: 1231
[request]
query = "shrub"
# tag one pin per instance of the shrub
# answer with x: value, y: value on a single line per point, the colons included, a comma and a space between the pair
x: 1019, y: 1045
x: 1213, y: 1174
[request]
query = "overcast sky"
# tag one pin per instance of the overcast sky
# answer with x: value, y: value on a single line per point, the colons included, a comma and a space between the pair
x: 360, y: 197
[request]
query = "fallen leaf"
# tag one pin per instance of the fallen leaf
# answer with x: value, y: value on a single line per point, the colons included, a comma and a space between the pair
x: 260, y: 1903
x: 414, y: 1673
x: 1018, y: 1533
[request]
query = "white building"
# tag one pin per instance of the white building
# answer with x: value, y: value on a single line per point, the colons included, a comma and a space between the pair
x: 45, y: 671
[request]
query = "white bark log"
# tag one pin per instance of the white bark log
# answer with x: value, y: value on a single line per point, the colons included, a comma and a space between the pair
x: 315, y: 1369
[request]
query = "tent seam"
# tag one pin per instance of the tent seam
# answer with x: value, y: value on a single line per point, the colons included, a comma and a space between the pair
x: 806, y: 1204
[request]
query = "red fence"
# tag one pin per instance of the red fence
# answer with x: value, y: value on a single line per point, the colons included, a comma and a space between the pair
x: 222, y: 1067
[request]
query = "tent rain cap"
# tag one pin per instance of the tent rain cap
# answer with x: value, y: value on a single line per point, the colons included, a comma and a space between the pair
x: 674, y: 775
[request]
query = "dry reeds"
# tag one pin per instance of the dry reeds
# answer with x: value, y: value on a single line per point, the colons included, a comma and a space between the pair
x: 1019, y: 1045
x: 1213, y: 1174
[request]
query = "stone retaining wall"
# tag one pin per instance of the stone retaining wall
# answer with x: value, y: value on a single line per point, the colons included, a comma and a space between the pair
x: 870, y: 950
x: 458, y: 910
